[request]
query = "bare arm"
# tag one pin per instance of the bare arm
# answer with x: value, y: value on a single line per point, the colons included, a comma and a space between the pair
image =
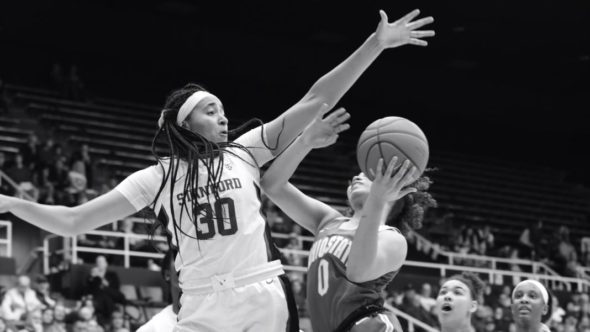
x: 330, y: 88
x: 375, y: 253
x: 304, y: 210
x: 70, y: 221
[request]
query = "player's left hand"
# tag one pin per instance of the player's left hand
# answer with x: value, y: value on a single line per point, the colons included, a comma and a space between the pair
x: 392, y: 186
x: 324, y: 132
x: 403, y: 31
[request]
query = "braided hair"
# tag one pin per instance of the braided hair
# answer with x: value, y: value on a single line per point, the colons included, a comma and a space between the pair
x: 408, y: 212
x: 174, y: 145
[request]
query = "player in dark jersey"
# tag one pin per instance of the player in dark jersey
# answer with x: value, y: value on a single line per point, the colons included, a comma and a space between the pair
x: 352, y: 258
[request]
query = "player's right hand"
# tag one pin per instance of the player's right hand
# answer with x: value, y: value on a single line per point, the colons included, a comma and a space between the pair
x: 324, y: 132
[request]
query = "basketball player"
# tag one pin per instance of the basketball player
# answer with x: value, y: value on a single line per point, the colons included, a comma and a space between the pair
x: 205, y: 190
x: 457, y: 300
x: 530, y: 301
x: 165, y: 320
x: 352, y: 259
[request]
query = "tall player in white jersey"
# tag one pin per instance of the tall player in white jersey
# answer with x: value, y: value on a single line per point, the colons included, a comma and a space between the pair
x: 205, y: 190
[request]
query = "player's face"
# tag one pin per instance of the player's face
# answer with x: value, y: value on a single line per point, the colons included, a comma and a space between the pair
x: 454, y: 304
x: 358, y: 190
x: 528, y: 304
x: 208, y: 120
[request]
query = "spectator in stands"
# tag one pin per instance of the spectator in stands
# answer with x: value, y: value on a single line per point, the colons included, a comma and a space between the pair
x: 82, y: 156
x: 34, y: 320
x: 79, y: 325
x: 46, y: 154
x: 426, y: 300
x: 88, y: 315
x: 530, y: 301
x: 23, y: 176
x: 60, y: 178
x: 501, y: 319
x: 46, y: 187
x: 457, y: 300
x: 104, y: 287
x: 30, y: 152
x: 411, y: 306
x: 294, y: 244
x: 20, y: 300
x: 539, y: 241
x: 118, y: 323
x: 566, y: 256
x: 574, y: 306
x: 486, y: 240
x: 59, y: 315
x: 44, y: 293
x: 49, y: 324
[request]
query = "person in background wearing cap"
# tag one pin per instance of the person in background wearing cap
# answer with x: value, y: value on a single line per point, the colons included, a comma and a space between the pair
x: 457, y: 300
x: 530, y: 301
x: 205, y: 190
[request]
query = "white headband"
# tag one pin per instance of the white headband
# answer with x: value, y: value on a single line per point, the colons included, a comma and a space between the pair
x: 190, y: 104
x: 540, y: 286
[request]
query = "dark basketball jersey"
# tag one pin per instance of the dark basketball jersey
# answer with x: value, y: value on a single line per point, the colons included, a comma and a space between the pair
x: 331, y: 296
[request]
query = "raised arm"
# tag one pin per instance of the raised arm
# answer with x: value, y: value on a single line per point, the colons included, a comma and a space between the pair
x: 70, y: 221
x: 332, y: 86
x: 304, y: 210
x: 375, y: 253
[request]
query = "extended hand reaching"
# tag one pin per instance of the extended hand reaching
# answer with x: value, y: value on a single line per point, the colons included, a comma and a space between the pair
x: 323, y: 132
x: 403, y: 31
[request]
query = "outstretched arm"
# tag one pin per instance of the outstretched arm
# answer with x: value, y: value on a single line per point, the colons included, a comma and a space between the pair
x: 332, y: 86
x: 375, y: 253
x: 304, y: 210
x: 70, y: 221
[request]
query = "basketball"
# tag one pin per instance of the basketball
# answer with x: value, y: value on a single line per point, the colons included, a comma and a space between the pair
x: 388, y: 137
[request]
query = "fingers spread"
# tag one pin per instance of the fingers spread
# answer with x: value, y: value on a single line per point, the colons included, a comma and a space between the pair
x: 422, y: 33
x: 418, y: 42
x: 420, y: 23
x: 410, y: 16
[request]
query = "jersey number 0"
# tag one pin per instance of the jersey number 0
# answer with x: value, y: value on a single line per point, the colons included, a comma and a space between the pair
x: 224, y: 217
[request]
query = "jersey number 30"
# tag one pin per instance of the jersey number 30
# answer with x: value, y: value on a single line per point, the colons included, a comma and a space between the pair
x: 224, y: 217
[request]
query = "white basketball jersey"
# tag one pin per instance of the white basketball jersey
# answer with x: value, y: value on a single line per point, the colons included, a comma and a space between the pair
x: 229, y: 233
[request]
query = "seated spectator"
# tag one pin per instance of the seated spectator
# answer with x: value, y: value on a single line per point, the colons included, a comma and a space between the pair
x: 44, y: 293
x: 425, y: 297
x: 20, y: 300
x: 87, y: 315
x: 34, y: 321
x: 82, y: 157
x: 104, y: 286
x: 501, y: 319
x: 411, y: 306
x: 29, y: 152
x: 48, y: 321
x: 118, y: 323
x: 59, y: 316
x: 23, y: 176
x: 46, y: 154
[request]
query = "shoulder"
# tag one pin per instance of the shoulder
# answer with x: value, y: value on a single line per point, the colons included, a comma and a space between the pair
x: 332, y: 223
